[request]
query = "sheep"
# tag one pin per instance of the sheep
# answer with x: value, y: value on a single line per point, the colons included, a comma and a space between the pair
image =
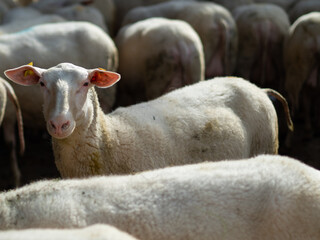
x: 231, y: 4
x: 265, y: 197
x: 11, y: 3
x: 262, y: 29
x: 301, y: 49
x: 20, y: 14
x: 19, y: 19
x: 49, y: 6
x: 96, y: 231
x: 302, y: 8
x: 122, y: 7
x: 214, y: 24
x: 3, y: 9
x: 22, y: 2
x: 3, y: 99
x: 5, y: 6
x: 62, y: 42
x: 79, y: 12
x: 106, y: 8
x: 286, y: 5
x: 74, y: 12
x: 148, y: 72
x: 7, y: 92
x: 217, y: 119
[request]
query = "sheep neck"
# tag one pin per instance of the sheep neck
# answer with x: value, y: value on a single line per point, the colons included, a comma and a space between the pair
x: 82, y: 154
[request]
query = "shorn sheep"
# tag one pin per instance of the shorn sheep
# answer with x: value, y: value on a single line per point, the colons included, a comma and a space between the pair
x: 214, y: 24
x: 223, y: 118
x: 147, y: 71
x: 301, y: 60
x: 261, y: 31
x: 266, y: 197
x: 7, y: 92
x: 94, y: 232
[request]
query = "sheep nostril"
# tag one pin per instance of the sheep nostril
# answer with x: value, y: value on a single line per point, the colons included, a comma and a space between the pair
x: 65, y: 125
x: 52, y: 125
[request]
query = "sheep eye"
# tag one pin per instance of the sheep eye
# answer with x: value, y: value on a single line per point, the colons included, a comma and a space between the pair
x: 42, y: 84
x: 86, y: 84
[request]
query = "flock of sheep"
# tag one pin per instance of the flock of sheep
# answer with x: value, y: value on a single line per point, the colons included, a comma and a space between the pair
x: 162, y: 118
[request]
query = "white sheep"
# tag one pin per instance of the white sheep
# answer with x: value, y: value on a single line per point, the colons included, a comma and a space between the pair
x: 78, y: 12
x: 231, y: 4
x: 106, y: 7
x: 19, y: 19
x: 94, y: 232
x: 7, y: 92
x: 284, y: 4
x: 302, y: 8
x: 214, y: 24
x: 222, y: 118
x: 301, y: 51
x: 122, y: 7
x: 46, y: 45
x: 262, y: 29
x: 266, y: 197
x: 20, y: 14
x: 147, y: 71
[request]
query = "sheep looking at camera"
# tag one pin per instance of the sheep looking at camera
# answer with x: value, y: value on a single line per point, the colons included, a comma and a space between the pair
x: 223, y: 118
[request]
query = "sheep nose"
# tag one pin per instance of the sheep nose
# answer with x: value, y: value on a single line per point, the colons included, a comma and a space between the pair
x: 60, y: 126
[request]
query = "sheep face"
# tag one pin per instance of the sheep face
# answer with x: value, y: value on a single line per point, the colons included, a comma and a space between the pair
x: 65, y: 89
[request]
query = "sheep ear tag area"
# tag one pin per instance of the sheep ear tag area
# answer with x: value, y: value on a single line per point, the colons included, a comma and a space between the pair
x: 104, y: 79
x: 28, y: 72
x: 24, y: 75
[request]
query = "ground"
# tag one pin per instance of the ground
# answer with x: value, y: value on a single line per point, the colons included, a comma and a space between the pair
x: 38, y: 161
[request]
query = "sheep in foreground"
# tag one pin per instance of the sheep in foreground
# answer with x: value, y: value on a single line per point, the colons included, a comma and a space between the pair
x: 217, y: 119
x: 147, y: 71
x: 7, y: 92
x: 214, y: 24
x: 94, y: 232
x: 266, y: 197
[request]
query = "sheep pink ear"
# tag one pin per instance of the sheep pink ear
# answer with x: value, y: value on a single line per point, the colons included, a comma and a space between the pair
x: 103, y: 78
x: 24, y: 75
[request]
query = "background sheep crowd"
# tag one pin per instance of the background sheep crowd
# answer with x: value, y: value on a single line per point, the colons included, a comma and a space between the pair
x: 158, y: 46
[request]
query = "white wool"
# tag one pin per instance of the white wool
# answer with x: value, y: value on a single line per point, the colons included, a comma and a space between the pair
x: 61, y: 42
x: 3, y: 100
x: 214, y: 24
x: 266, y: 197
x: 94, y: 232
x: 218, y: 119
x: 148, y: 72
x: 22, y: 18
